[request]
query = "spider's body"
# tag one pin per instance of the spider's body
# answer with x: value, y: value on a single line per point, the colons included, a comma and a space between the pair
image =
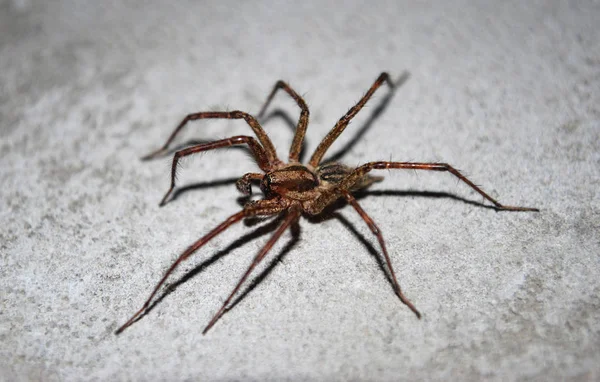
x: 293, y: 189
x: 310, y: 189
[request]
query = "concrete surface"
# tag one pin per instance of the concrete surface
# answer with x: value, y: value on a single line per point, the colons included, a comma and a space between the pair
x: 509, y: 92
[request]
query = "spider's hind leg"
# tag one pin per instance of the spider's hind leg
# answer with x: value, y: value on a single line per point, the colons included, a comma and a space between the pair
x: 373, y: 227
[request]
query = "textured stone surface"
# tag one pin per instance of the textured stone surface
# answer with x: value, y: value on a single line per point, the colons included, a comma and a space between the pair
x: 506, y: 91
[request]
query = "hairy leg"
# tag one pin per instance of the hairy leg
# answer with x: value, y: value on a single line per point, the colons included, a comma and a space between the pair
x: 250, y: 120
x: 302, y: 122
x: 361, y: 171
x: 343, y: 122
x: 292, y: 216
x: 193, y: 248
x: 373, y: 227
x: 257, y: 151
x: 252, y: 209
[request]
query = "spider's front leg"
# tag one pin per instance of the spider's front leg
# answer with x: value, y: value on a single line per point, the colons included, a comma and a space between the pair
x: 184, y: 256
x: 258, y: 208
x: 292, y: 216
x: 256, y: 149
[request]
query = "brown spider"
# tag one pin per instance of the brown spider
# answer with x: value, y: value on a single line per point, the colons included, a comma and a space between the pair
x: 294, y: 188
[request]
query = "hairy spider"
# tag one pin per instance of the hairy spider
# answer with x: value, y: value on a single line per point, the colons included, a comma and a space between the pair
x: 292, y: 188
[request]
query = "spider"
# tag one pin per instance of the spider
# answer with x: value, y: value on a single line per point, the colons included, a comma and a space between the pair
x: 293, y: 189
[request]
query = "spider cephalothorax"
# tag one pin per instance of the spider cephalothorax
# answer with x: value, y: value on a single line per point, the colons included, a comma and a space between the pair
x: 293, y: 189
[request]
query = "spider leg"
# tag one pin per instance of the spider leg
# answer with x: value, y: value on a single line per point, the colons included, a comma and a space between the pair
x: 293, y: 216
x: 373, y: 227
x: 256, y: 208
x: 256, y: 149
x: 302, y: 121
x: 191, y: 249
x: 250, y: 120
x: 343, y: 122
x: 359, y: 172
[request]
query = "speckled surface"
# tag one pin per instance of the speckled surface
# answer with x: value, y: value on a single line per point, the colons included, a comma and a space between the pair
x: 509, y: 92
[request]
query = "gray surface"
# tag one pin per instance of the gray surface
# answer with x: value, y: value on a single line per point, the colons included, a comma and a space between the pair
x: 507, y: 92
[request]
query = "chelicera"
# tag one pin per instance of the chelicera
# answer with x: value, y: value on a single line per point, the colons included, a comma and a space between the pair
x: 293, y: 189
